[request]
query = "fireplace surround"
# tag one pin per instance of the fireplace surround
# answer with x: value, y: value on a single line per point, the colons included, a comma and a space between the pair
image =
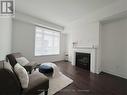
x: 89, y: 50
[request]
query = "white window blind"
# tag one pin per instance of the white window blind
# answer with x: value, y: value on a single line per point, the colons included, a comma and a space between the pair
x: 47, y: 41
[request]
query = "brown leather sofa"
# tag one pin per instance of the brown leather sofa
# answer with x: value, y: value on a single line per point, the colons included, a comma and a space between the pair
x: 10, y: 84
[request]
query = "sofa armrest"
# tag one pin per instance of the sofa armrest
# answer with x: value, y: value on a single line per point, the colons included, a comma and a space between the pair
x: 9, y: 82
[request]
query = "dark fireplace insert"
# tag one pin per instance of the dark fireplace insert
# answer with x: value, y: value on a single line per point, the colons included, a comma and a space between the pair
x: 83, y: 60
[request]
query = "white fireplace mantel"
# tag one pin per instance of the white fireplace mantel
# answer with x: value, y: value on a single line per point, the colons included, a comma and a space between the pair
x: 90, y: 50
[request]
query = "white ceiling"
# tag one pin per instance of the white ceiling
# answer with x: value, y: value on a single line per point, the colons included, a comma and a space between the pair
x: 61, y: 12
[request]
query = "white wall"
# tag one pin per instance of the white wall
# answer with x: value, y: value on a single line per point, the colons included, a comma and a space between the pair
x: 23, y: 39
x: 87, y: 30
x: 114, y: 47
x: 5, y: 36
x: 86, y: 34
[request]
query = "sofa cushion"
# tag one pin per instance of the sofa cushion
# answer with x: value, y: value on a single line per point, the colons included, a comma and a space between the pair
x: 22, y: 75
x: 8, y: 66
x: 22, y: 61
x: 38, y: 81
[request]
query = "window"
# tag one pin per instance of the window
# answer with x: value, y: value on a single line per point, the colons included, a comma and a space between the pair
x: 47, y: 41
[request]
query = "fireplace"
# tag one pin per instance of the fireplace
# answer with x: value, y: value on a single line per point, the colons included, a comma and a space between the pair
x: 83, y: 60
x: 92, y: 54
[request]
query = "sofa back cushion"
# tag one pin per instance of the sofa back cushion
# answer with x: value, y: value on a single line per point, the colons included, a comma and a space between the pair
x: 22, y: 75
x: 22, y: 61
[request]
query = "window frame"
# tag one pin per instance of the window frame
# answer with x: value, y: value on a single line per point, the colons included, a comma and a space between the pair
x: 35, y: 42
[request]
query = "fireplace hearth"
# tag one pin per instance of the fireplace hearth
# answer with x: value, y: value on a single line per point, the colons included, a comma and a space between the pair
x: 83, y: 60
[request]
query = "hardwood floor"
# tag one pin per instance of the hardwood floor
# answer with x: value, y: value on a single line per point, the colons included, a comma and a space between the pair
x: 86, y: 83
